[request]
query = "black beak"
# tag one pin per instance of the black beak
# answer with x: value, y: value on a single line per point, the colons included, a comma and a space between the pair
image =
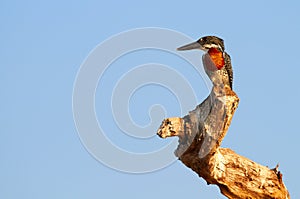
x: 194, y: 45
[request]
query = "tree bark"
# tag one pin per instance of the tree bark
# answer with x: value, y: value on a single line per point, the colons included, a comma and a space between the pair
x: 200, y: 135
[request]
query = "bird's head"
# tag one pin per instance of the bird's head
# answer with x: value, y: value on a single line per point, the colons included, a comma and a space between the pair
x: 205, y: 43
x: 214, y: 46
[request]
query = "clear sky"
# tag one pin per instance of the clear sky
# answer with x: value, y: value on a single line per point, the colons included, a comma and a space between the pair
x: 44, y: 44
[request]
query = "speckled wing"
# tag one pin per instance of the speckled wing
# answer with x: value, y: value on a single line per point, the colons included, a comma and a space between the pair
x: 228, y: 68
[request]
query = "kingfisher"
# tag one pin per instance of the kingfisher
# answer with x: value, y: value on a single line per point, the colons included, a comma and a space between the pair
x: 216, y: 61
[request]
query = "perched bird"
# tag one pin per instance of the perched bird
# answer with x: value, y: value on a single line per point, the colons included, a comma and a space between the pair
x: 216, y: 61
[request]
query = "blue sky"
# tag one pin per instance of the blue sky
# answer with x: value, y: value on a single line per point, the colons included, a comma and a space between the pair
x: 43, y: 45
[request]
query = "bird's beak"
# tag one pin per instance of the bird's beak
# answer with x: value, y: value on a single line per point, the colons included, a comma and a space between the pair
x: 194, y: 45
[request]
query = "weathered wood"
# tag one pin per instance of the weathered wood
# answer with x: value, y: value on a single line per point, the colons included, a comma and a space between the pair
x: 200, y: 135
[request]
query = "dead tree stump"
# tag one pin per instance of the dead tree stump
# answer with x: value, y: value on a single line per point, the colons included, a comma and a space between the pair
x: 200, y: 135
